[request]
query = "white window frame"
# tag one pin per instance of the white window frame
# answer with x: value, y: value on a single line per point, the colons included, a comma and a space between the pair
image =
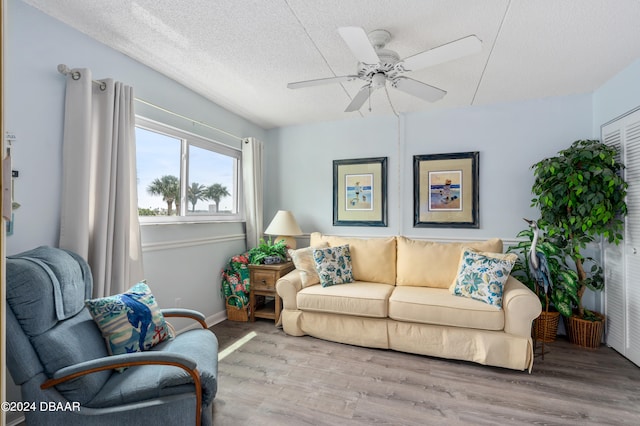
x: 187, y: 139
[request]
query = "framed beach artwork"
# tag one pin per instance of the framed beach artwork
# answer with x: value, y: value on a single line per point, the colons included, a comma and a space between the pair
x: 360, y: 192
x: 445, y: 190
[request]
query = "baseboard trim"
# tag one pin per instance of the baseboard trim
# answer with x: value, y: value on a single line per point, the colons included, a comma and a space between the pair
x: 216, y: 318
x: 210, y: 320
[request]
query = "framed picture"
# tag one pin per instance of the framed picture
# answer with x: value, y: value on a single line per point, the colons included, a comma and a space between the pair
x: 360, y: 192
x: 445, y: 190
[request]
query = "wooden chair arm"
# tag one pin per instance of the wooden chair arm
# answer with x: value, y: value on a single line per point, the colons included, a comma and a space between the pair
x: 131, y: 360
x: 185, y: 313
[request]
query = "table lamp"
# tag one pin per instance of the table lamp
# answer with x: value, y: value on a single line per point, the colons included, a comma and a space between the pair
x: 284, y: 225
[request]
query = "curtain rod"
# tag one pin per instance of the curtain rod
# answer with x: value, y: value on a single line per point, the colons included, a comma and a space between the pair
x: 142, y: 101
x: 63, y: 69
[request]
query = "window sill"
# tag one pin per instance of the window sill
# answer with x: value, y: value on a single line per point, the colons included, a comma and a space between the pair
x: 187, y: 220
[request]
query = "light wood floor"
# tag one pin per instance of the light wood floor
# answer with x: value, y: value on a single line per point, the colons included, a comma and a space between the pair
x: 275, y: 379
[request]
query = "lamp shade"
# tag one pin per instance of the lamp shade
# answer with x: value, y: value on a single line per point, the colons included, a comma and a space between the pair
x: 285, y: 226
x: 283, y: 223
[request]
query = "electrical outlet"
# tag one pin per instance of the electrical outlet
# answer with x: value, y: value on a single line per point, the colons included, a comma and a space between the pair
x: 178, y: 302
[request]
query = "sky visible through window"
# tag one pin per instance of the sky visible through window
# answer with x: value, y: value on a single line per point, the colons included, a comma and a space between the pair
x: 159, y: 155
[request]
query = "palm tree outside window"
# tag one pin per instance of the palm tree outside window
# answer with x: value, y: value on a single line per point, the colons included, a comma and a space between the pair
x: 184, y: 175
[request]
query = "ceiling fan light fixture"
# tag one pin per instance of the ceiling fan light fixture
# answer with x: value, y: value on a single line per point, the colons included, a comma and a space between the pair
x: 379, y: 38
x: 378, y: 80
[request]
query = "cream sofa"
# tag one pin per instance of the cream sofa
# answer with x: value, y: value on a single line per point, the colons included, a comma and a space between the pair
x: 400, y: 299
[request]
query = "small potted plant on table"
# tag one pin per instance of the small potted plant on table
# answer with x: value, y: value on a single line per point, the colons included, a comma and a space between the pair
x: 268, y: 252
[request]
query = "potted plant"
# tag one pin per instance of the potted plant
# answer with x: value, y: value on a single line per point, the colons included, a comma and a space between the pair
x: 581, y: 196
x: 268, y: 252
x: 562, y: 278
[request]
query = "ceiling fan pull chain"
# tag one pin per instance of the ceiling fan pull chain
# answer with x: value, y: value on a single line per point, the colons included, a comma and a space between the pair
x: 369, y: 98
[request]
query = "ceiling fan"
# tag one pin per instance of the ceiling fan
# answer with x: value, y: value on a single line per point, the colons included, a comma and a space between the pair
x: 377, y: 65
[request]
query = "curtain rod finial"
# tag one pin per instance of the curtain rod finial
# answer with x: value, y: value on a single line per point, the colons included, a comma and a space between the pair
x: 63, y: 69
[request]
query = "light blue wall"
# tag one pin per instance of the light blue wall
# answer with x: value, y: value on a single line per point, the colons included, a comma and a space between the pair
x: 616, y: 97
x: 181, y: 261
x: 510, y: 138
x: 299, y: 168
x: 34, y: 99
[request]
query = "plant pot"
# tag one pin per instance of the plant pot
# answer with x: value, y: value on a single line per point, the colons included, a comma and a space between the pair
x: 546, y: 326
x: 587, y: 334
x: 272, y: 260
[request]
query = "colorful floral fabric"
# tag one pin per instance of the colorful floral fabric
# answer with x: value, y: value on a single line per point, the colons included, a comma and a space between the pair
x: 481, y: 276
x: 235, y: 280
x: 333, y: 265
x: 131, y: 321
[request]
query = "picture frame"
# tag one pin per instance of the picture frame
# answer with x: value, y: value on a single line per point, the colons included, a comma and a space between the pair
x: 360, y: 192
x: 446, y: 190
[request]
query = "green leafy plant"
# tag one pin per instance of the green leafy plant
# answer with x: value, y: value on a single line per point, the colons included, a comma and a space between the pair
x: 564, y: 291
x: 581, y: 196
x: 267, y: 248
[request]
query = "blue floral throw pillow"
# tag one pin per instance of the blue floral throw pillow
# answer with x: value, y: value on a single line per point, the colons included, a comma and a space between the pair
x: 131, y: 321
x: 481, y: 276
x: 333, y: 265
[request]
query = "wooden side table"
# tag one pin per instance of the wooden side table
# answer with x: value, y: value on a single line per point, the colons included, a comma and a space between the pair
x: 262, y: 279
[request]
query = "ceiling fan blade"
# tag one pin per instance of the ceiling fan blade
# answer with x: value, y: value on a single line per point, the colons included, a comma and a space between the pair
x: 359, y: 100
x: 418, y: 89
x: 359, y: 43
x: 320, y: 81
x: 438, y: 55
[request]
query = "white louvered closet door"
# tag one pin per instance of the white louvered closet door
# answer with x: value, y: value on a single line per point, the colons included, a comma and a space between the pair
x: 622, y: 263
x: 614, y: 288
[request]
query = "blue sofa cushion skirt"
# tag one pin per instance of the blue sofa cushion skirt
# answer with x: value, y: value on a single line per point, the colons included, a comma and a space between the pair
x: 151, y: 381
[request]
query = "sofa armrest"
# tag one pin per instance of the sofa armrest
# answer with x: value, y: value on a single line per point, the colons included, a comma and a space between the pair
x: 288, y: 288
x: 521, y: 306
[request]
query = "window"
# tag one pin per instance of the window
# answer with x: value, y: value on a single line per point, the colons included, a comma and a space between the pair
x: 184, y: 177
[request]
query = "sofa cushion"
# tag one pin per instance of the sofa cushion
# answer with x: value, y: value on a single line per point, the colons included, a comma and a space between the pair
x: 433, y: 264
x: 303, y: 261
x: 481, y: 275
x: 333, y: 265
x: 438, y: 306
x: 156, y: 381
x: 359, y: 298
x: 373, y: 259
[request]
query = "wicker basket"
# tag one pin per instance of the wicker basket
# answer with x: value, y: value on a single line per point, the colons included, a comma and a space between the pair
x: 585, y: 333
x: 546, y: 326
x: 235, y: 313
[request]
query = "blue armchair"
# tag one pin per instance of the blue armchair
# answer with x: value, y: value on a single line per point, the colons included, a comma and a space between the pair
x: 56, y: 352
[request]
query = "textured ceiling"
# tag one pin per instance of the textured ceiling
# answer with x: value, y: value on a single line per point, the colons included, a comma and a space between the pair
x: 242, y: 53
